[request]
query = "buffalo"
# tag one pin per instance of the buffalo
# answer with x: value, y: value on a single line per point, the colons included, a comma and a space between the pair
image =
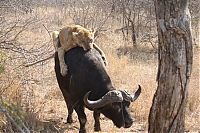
x: 88, y: 84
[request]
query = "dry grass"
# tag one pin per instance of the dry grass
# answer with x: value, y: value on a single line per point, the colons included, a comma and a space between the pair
x: 193, y: 104
x: 127, y: 68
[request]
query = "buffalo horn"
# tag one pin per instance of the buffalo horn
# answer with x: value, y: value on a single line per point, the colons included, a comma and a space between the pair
x: 109, y: 97
x: 131, y: 97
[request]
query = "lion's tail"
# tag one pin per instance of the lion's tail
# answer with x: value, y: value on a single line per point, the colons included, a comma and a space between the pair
x: 56, y: 41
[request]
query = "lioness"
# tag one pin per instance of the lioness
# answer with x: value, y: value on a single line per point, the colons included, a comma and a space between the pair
x: 70, y: 37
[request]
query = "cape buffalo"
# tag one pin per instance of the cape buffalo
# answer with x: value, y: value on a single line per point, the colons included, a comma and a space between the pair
x: 88, y: 84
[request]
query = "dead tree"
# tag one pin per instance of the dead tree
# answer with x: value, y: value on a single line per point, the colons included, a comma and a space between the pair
x: 175, y: 65
x: 129, y: 16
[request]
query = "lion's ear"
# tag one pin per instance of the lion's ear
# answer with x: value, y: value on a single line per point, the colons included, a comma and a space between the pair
x: 93, y: 30
x: 74, y: 33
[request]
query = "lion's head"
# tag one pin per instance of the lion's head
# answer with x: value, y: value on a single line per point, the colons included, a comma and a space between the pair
x: 83, y: 37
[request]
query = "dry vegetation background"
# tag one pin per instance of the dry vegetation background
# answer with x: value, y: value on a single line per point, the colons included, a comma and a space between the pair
x: 30, y: 99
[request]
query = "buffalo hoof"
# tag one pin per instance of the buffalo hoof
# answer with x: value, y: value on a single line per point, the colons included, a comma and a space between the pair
x: 82, y: 131
x: 97, y: 129
x: 69, y: 120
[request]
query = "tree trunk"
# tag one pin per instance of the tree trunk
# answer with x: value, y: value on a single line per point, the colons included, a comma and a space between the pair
x: 133, y: 35
x: 175, y: 65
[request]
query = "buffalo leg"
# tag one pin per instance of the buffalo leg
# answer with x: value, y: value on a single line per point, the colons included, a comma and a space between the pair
x: 69, y: 117
x: 69, y: 107
x: 81, y: 117
x: 96, y: 116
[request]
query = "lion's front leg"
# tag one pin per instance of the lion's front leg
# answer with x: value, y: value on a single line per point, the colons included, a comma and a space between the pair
x: 63, y: 66
x: 102, y: 54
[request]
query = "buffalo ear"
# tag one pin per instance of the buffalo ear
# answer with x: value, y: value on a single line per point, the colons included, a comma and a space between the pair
x: 75, y: 33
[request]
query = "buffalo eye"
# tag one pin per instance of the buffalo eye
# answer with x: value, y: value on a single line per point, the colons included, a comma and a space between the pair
x: 116, y: 107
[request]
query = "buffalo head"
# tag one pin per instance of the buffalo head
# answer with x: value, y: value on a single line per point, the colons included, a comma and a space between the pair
x: 114, y: 105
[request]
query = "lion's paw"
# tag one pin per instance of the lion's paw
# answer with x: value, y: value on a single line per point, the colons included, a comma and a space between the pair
x: 104, y: 60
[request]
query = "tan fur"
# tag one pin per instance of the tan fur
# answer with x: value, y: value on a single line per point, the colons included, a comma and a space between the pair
x: 55, y: 39
x: 73, y: 36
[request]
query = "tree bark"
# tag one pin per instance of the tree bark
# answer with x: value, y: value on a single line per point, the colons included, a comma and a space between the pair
x: 174, y: 66
x: 133, y: 35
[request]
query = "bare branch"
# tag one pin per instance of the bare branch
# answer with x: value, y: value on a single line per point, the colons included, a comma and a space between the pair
x: 34, y: 63
x: 47, y: 30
